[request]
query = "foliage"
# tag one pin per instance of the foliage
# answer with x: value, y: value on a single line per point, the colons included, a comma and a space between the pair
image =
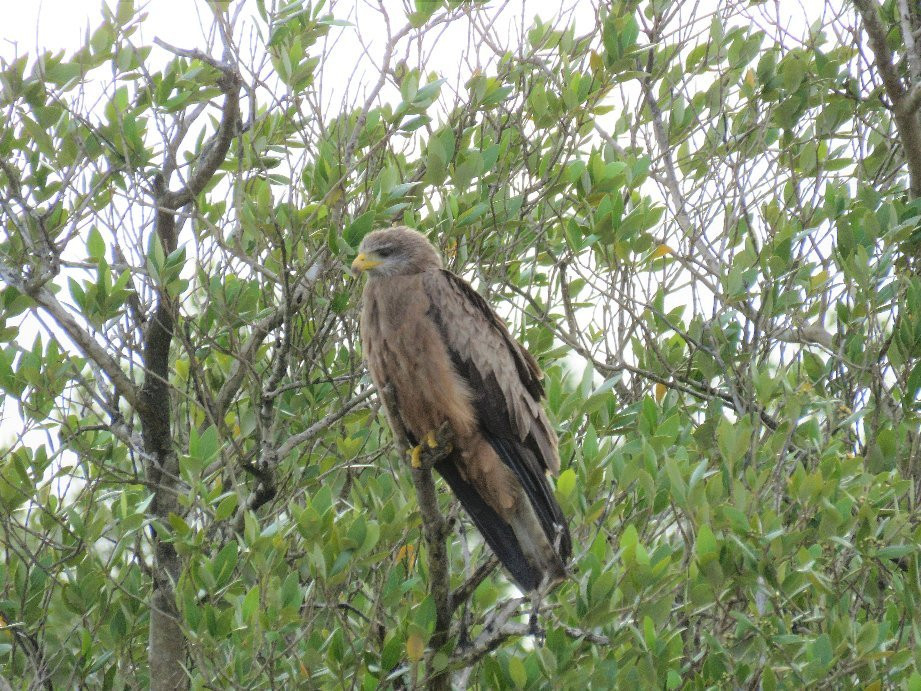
x: 702, y: 225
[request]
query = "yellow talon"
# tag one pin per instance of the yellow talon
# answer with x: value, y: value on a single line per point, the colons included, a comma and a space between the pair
x: 430, y: 440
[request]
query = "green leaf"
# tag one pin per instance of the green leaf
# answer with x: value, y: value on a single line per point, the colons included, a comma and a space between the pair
x: 399, y: 191
x: 517, y: 672
x: 734, y: 439
x: 224, y: 564
x: 358, y: 228
x: 649, y: 633
x: 566, y: 483
x: 203, y: 447
x: 227, y: 507
x: 424, y: 11
x: 424, y: 615
x: 895, y: 551
x: 156, y: 258
x: 291, y: 593
x: 62, y: 73
x: 472, y: 214
x: 250, y: 607
x: 124, y: 12
x: 822, y: 650
x: 793, y: 71
x: 706, y: 546
x: 77, y: 293
x: 372, y: 536
x: 497, y: 95
x: 427, y: 94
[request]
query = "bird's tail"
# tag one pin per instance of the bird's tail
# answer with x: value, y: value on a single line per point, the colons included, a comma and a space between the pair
x: 497, y: 532
x: 534, y: 544
x: 522, y: 461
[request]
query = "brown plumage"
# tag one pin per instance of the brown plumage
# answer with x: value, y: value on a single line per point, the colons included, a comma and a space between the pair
x: 447, y: 357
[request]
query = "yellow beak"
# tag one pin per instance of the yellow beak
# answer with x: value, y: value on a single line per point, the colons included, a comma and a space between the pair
x: 363, y: 262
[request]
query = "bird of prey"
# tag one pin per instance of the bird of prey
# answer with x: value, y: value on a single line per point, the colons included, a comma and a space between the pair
x: 448, y: 358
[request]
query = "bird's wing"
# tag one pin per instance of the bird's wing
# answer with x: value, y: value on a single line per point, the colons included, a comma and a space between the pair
x: 503, y: 376
x: 504, y: 381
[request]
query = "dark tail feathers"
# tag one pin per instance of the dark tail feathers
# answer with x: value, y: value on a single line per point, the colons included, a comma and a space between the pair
x: 497, y: 533
x: 523, y: 463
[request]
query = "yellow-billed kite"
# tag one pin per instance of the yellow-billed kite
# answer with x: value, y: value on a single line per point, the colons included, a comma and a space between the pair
x: 447, y: 357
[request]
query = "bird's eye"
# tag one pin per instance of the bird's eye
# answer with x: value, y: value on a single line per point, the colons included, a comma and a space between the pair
x: 384, y: 251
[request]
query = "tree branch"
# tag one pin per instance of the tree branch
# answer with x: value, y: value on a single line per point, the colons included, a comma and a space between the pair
x: 707, y: 255
x: 79, y: 335
x: 575, y: 632
x: 366, y: 108
x: 195, y: 54
x: 465, y: 590
x: 216, y: 150
x: 259, y: 333
x: 496, y: 631
x: 904, y: 103
x: 166, y: 655
x: 318, y: 427
x: 908, y: 37
x: 876, y: 32
x: 704, y: 254
x: 912, y: 100
x: 435, y: 531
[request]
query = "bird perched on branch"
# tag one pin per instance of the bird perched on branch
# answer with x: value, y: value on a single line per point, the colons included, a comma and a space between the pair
x: 448, y: 358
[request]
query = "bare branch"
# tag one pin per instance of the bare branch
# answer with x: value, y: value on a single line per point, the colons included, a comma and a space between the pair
x: 435, y: 530
x: 908, y: 37
x: 465, y: 590
x: 497, y: 630
x: 260, y: 331
x: 873, y: 25
x: 195, y: 54
x: 904, y: 108
x: 324, y: 424
x: 216, y: 150
x: 575, y: 632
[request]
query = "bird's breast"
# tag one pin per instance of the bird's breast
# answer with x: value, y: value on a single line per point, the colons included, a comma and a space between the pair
x: 404, y: 349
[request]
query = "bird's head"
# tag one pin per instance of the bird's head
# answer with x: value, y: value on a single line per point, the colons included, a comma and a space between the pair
x: 396, y: 251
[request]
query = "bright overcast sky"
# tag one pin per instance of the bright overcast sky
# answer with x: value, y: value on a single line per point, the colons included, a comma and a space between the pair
x: 347, y: 68
x: 61, y: 24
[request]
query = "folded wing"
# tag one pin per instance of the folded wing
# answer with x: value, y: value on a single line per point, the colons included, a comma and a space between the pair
x: 505, y: 382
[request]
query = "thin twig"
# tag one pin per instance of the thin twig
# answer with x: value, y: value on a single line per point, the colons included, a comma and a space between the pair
x: 465, y: 590
x: 318, y: 427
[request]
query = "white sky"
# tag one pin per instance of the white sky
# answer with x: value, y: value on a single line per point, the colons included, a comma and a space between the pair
x: 61, y: 24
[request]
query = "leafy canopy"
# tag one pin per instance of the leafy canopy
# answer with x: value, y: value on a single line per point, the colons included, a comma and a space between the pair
x: 701, y: 224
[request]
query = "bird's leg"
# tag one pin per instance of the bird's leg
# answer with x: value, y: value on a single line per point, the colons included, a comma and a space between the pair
x: 415, y: 456
x: 429, y: 442
x: 533, y: 626
x: 537, y: 598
